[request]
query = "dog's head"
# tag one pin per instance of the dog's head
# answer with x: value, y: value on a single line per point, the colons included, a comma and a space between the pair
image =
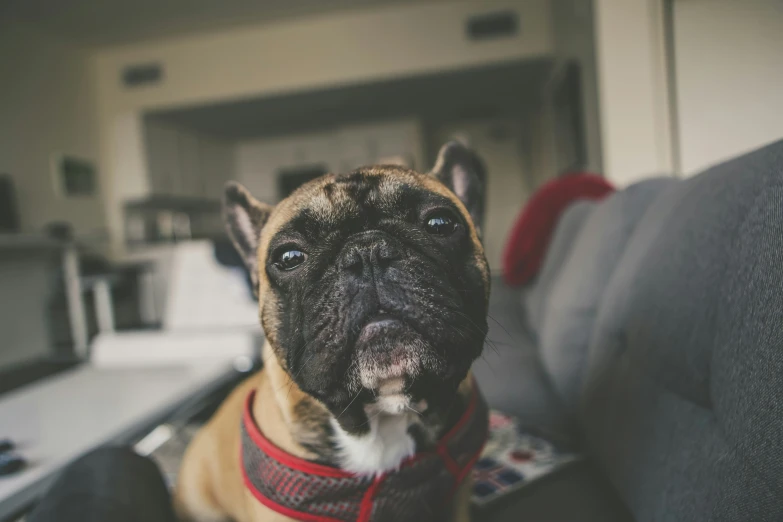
x: 373, y: 285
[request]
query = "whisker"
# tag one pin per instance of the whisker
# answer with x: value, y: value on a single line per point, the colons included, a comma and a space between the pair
x: 291, y: 384
x: 303, y: 366
x: 494, y: 348
x: 349, y: 404
x: 503, y: 327
x: 489, y: 365
x: 369, y: 419
x: 414, y: 410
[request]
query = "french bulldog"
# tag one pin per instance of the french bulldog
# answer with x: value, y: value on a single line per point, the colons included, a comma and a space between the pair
x: 373, y: 290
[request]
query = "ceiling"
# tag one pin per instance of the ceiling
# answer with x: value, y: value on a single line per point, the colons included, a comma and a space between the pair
x: 112, y: 22
x: 489, y: 91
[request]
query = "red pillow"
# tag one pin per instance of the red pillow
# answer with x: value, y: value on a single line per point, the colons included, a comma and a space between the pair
x: 529, y: 239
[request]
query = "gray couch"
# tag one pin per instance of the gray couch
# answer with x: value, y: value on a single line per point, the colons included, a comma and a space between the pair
x: 653, y: 337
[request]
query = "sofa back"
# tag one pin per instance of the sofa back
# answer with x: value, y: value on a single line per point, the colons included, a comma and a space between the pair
x: 536, y: 297
x: 583, y: 258
x: 682, y: 398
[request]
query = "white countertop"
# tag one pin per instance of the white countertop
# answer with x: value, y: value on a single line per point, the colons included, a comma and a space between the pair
x: 57, y: 420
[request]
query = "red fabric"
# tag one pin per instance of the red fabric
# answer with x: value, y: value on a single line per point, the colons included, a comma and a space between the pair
x: 313, y: 468
x: 529, y: 239
x: 283, y: 510
x: 365, y: 509
x: 291, y: 461
x: 335, y: 495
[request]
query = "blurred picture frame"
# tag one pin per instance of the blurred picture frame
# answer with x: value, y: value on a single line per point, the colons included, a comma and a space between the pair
x: 74, y: 176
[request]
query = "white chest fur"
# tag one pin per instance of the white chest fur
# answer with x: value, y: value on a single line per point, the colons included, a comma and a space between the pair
x: 384, y: 448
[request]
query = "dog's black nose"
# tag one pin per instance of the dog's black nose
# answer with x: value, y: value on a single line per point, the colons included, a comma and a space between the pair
x: 368, y: 251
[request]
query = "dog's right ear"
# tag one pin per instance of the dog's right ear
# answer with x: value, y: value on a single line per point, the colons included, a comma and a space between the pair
x: 244, y: 217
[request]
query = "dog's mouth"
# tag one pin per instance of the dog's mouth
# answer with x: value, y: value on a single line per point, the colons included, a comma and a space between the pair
x: 385, y: 354
x: 390, y: 355
x: 403, y: 364
x: 377, y: 324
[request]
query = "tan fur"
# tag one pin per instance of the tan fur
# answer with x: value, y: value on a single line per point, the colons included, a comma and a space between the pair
x: 311, y: 195
x: 210, y: 487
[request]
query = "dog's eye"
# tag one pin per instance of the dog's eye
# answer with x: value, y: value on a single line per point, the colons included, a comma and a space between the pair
x: 441, y: 224
x: 290, y: 259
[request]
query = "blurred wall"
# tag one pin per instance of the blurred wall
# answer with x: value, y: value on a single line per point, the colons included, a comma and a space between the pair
x: 47, y: 107
x: 185, y: 163
x: 574, y: 40
x: 634, y: 105
x: 338, y: 150
x: 729, y: 77
x: 311, y: 53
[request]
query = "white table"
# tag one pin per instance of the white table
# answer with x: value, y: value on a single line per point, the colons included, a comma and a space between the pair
x: 56, y: 421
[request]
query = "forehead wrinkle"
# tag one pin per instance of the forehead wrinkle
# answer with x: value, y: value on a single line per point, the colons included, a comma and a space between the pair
x: 334, y: 203
x: 389, y: 191
x: 323, y: 207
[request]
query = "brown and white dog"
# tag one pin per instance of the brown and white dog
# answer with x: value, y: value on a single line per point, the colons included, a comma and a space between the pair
x: 373, y: 291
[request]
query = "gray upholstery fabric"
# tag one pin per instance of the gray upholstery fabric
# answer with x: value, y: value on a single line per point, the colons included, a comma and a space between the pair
x: 680, y: 385
x: 535, y: 297
x: 574, y: 298
x: 683, y: 400
x: 512, y: 380
x: 509, y: 372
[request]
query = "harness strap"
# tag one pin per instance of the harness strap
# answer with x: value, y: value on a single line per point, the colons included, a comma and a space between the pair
x: 308, y: 491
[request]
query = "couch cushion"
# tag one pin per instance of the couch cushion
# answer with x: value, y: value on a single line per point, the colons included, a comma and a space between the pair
x: 572, y: 304
x: 534, y: 297
x: 509, y: 371
x: 685, y: 375
x: 512, y: 380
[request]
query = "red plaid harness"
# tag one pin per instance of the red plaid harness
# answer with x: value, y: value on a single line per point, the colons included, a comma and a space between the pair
x: 420, y: 490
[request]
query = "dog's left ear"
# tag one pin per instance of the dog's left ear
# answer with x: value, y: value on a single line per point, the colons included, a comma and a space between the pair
x: 244, y: 217
x: 463, y: 172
